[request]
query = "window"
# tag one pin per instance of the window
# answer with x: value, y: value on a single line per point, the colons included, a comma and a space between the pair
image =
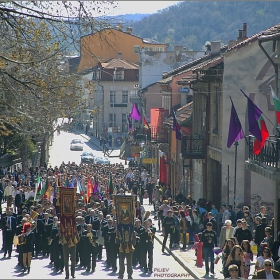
x: 124, y: 96
x: 112, y: 96
x: 124, y: 123
x: 96, y: 75
x: 159, y: 49
x: 151, y: 49
x: 136, y: 49
x: 119, y: 75
x: 111, y: 120
x: 146, y: 48
x: 216, y: 111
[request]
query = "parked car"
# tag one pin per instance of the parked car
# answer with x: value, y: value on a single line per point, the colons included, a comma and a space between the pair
x: 102, y: 160
x: 76, y: 145
x: 87, y: 157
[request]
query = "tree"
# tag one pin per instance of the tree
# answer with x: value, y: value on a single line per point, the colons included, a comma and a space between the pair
x: 35, y: 87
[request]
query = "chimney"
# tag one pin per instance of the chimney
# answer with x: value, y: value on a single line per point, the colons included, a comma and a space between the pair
x: 120, y: 25
x: 215, y: 47
x: 240, y: 35
x: 129, y: 30
x: 245, y: 30
x: 119, y: 56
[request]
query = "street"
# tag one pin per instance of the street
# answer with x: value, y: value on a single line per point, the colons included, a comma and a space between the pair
x: 164, y: 266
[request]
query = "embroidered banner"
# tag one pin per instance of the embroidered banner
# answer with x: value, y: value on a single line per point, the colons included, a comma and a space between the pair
x: 125, y: 209
x: 68, y: 226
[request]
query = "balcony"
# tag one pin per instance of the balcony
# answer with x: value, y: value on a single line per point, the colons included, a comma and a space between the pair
x: 193, y: 147
x: 156, y: 135
x: 267, y: 162
x: 134, y: 97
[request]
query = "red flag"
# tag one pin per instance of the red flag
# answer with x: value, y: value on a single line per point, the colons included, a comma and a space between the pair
x: 89, y: 190
x: 146, y: 125
x: 258, y: 145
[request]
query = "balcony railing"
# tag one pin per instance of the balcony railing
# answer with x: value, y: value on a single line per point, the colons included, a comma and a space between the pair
x: 156, y: 134
x: 193, y: 147
x: 269, y: 155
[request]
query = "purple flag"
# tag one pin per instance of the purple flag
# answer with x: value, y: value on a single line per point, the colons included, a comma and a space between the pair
x: 128, y: 119
x: 176, y: 127
x: 96, y: 189
x: 254, y: 113
x: 235, y: 131
x: 135, y: 114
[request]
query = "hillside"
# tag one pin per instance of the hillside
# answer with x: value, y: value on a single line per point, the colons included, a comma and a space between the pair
x: 191, y: 24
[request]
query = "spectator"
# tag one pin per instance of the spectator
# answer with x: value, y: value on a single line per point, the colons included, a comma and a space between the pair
x: 268, y: 272
x: 214, y: 211
x: 239, y: 213
x: 268, y: 240
x: 266, y: 254
x: 233, y: 272
x: 226, y: 251
x: 236, y: 258
x: 248, y: 257
x: 238, y: 225
x: 168, y: 226
x: 260, y: 234
x: 209, y: 240
x: 167, y: 193
x: 179, y: 198
x: 212, y: 220
x: 262, y: 213
x: 184, y: 223
x: 226, y: 233
x: 243, y: 233
x: 226, y: 214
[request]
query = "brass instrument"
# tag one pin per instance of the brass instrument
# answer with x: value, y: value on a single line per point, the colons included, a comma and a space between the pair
x: 33, y: 216
x: 89, y: 235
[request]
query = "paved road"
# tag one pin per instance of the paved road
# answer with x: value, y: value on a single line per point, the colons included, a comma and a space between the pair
x: 164, y: 265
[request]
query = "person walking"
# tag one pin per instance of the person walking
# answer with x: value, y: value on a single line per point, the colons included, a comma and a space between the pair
x: 27, y: 248
x: 209, y: 240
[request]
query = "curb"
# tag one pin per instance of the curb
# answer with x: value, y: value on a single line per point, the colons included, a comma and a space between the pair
x: 179, y: 260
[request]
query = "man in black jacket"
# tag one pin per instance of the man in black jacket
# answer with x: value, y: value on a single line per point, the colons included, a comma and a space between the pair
x: 260, y: 234
x: 19, y: 199
x: 167, y: 227
x: 209, y: 240
x: 139, y: 229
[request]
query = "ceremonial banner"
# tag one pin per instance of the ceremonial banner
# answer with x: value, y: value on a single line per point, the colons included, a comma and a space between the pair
x: 68, y: 227
x: 125, y: 209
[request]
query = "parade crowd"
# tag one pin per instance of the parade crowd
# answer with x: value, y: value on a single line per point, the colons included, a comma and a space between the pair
x: 31, y: 222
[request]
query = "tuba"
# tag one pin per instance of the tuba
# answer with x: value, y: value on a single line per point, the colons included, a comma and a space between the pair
x: 33, y: 216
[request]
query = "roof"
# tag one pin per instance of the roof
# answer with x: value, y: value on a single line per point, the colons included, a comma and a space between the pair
x: 144, y: 40
x: 212, y: 60
x: 183, y: 114
x: 271, y: 33
x: 119, y: 63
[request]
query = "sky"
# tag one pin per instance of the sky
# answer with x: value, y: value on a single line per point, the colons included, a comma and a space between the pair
x: 140, y: 7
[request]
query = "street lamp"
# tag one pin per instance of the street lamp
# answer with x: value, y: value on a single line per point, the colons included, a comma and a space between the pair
x: 114, y: 96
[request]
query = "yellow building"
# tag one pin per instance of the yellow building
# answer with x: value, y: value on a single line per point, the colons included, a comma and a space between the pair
x: 111, y: 43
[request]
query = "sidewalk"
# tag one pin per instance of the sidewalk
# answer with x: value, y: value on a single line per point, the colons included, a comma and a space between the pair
x: 95, y: 142
x: 187, y: 258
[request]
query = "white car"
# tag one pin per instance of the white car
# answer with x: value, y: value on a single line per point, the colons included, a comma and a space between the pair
x: 102, y: 160
x: 76, y: 145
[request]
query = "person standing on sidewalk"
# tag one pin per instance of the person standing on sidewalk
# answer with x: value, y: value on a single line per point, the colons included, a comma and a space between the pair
x: 209, y: 240
x: 167, y: 228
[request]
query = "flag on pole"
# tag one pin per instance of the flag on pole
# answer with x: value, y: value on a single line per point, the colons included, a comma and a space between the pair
x: 254, y: 113
x: 146, y: 125
x: 258, y: 145
x: 176, y: 127
x: 235, y: 131
x: 129, y: 123
x: 135, y: 114
x: 89, y: 190
x: 111, y: 187
x: 276, y: 102
x: 38, y: 186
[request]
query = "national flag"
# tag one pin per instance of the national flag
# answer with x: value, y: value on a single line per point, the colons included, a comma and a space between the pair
x: 258, y: 145
x: 71, y: 184
x: 96, y: 189
x: 176, y: 127
x: 276, y: 102
x: 129, y: 123
x: 110, y: 184
x: 135, y: 114
x: 89, y: 190
x: 146, y: 125
x: 254, y: 113
x: 38, y: 186
x: 79, y: 186
x: 235, y: 131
